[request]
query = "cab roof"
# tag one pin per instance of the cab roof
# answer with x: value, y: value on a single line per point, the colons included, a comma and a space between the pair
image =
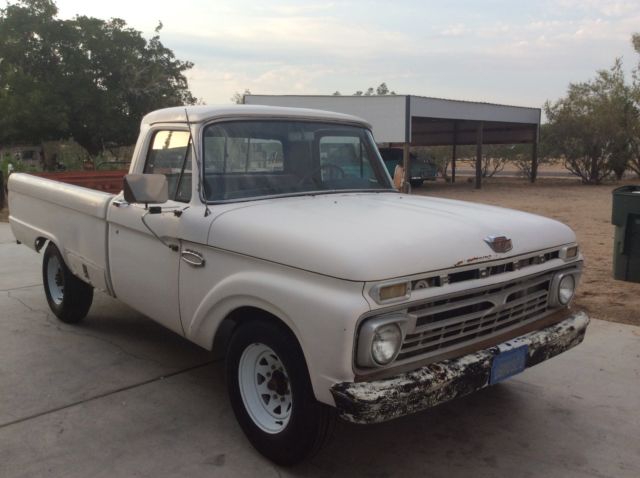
x: 199, y: 114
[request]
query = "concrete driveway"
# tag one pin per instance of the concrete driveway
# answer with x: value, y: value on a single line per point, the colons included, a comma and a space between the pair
x: 119, y: 396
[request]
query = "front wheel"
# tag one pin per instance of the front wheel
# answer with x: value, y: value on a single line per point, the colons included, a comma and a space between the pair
x: 69, y: 298
x: 271, y: 394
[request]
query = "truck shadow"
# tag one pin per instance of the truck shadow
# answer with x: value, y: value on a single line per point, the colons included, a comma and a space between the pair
x: 486, y: 431
x: 483, y: 432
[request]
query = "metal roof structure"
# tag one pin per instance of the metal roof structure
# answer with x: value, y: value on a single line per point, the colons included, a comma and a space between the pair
x: 411, y: 120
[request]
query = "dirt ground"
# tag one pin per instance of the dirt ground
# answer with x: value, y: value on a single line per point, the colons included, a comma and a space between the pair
x: 587, y: 209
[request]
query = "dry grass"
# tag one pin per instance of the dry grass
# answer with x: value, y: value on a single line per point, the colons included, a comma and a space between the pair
x: 587, y: 209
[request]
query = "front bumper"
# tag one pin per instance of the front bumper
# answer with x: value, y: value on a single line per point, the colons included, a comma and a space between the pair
x: 428, y: 386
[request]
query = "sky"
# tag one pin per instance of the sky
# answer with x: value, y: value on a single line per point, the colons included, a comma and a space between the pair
x: 500, y: 51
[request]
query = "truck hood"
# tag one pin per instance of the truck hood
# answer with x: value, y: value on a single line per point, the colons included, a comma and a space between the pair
x: 377, y: 236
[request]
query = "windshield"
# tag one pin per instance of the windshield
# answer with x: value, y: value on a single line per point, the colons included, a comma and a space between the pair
x: 246, y: 159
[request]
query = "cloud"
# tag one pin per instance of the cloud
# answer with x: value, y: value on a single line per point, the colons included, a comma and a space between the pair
x: 497, y: 50
x: 274, y: 35
x: 607, y: 8
x: 455, y: 30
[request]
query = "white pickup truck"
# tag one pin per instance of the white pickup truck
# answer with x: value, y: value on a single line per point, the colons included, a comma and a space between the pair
x: 274, y: 236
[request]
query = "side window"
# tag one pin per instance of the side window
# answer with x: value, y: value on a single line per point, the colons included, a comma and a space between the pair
x: 170, y: 154
x: 345, y: 155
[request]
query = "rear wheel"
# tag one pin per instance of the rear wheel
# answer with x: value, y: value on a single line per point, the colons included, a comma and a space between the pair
x: 271, y: 394
x: 416, y: 183
x: 69, y: 298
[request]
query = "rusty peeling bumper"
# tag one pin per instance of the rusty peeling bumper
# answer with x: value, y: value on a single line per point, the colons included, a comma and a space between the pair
x: 382, y: 400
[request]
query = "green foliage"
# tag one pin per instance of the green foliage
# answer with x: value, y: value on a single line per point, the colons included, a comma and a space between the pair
x: 18, y: 166
x: 381, y: 90
x: 86, y: 78
x: 238, y: 98
x: 634, y: 162
x: 592, y: 128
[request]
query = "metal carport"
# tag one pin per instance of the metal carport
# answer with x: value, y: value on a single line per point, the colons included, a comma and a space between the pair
x: 409, y: 120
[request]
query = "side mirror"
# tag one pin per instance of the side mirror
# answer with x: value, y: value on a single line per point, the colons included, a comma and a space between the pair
x: 146, y: 188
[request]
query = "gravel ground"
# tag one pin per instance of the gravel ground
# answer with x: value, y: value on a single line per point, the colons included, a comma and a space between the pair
x: 587, y: 209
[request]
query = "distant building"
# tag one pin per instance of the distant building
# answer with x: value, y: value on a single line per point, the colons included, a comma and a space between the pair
x: 25, y: 155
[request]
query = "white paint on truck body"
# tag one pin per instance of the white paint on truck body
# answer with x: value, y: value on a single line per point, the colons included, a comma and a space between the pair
x: 308, y: 260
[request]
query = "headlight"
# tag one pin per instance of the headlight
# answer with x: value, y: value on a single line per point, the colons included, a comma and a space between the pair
x: 379, y: 340
x: 386, y: 343
x: 566, y: 289
x: 563, y: 288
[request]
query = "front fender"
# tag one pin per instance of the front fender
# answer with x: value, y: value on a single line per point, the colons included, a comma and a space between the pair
x: 224, y: 298
x: 320, y: 311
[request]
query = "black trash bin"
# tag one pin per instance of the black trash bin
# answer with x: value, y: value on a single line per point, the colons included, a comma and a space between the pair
x: 626, y: 247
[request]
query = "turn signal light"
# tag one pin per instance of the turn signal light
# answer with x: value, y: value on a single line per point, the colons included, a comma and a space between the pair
x: 393, y: 291
x: 572, y: 252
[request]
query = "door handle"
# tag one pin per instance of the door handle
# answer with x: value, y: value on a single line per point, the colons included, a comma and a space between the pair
x: 120, y: 203
x: 193, y: 258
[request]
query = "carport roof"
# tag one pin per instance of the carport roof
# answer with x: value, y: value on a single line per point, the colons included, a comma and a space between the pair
x: 421, y: 120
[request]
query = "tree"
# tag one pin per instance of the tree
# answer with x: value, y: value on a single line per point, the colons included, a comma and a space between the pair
x: 86, y: 78
x: 634, y: 162
x: 29, y: 72
x: 381, y: 90
x: 592, y: 127
x: 495, y: 157
x: 238, y: 98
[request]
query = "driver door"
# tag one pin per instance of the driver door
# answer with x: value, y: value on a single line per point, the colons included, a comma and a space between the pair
x: 144, y: 271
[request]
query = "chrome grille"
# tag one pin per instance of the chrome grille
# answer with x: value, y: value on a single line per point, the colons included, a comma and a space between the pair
x: 483, y: 270
x: 462, y: 319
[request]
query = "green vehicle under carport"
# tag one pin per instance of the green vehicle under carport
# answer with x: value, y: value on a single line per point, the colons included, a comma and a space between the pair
x: 421, y: 169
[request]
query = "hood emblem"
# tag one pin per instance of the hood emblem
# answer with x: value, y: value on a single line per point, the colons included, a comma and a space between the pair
x: 499, y: 243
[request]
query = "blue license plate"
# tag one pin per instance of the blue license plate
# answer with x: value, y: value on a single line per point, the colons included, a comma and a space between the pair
x: 508, y: 363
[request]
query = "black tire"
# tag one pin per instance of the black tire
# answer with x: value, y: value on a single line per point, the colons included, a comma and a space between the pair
x: 69, y: 298
x: 310, y: 423
x: 416, y: 183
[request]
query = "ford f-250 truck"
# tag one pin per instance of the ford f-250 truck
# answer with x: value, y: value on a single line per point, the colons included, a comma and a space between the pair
x: 264, y: 233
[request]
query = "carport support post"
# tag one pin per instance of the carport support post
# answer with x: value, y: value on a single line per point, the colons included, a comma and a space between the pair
x: 479, y: 132
x: 534, y: 156
x: 453, y: 152
x: 406, y: 165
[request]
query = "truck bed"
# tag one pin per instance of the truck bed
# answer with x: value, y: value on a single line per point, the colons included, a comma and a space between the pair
x: 72, y: 217
x: 107, y: 181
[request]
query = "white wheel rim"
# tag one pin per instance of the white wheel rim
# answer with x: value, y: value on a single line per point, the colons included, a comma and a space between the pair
x: 265, y: 388
x: 55, y: 280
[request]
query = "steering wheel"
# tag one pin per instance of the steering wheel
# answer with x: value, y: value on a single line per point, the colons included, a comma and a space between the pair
x: 327, y: 166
